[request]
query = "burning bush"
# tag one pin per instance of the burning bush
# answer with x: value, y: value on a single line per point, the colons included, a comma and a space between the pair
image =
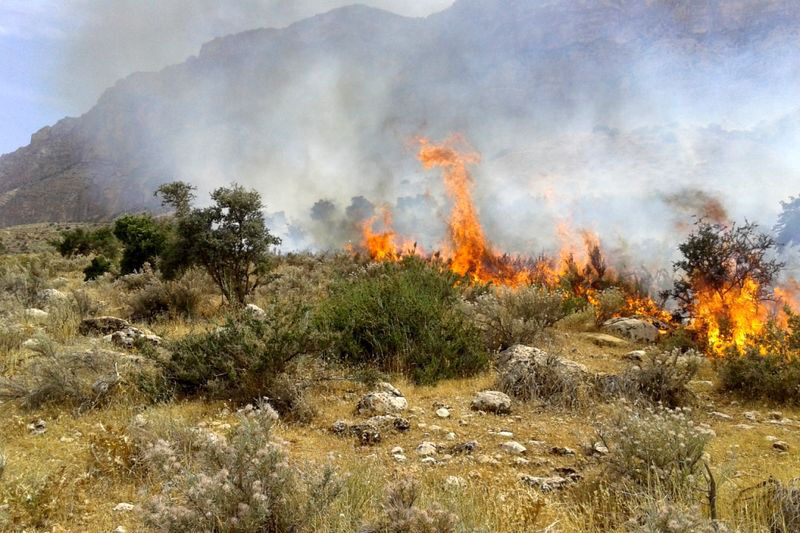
x: 725, y: 276
x: 406, y: 317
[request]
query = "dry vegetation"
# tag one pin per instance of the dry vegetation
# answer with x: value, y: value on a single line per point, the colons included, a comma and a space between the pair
x: 179, y: 431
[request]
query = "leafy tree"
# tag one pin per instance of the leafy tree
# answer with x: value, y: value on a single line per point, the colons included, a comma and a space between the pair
x: 230, y: 240
x: 80, y: 241
x: 178, y: 195
x: 788, y: 227
x: 143, y: 239
x: 721, y: 259
x: 99, y: 266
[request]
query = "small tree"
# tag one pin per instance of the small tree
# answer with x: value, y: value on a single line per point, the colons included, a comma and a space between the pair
x: 143, y: 241
x: 80, y: 241
x: 722, y: 259
x: 178, y: 195
x: 230, y: 239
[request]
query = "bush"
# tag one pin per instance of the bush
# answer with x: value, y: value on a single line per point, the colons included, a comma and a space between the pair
x: 404, y: 317
x: 401, y: 515
x: 609, y: 303
x: 236, y: 484
x: 544, y: 377
x: 666, y: 517
x: 754, y: 376
x: 11, y: 338
x: 143, y: 241
x: 656, y: 447
x: 80, y: 241
x: 98, y: 267
x: 772, y: 504
x: 3, y: 461
x: 662, y: 377
x: 248, y: 358
x: 25, y: 283
x: 516, y: 316
x: 157, y: 298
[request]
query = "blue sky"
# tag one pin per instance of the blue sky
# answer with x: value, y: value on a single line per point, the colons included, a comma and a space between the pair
x: 57, y: 56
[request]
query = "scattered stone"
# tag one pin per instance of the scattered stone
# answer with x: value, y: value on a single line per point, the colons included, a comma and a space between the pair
x: 635, y: 329
x: 545, y: 484
x: 123, y: 507
x: 428, y: 461
x: 487, y: 460
x: 506, y: 434
x: 491, y: 401
x: 102, y: 325
x: 635, y: 355
x: 120, y: 529
x: 397, y: 450
x: 772, y: 438
x: 455, y: 482
x: 37, y: 427
x: 723, y: 416
x: 366, y: 433
x: 743, y: 426
x: 464, y: 448
x: 399, y: 457
x: 401, y: 424
x: 443, y: 412
x: 598, y: 448
x: 521, y: 461
x: 604, y: 340
x: 569, y: 473
x: 450, y: 436
x: 562, y: 450
x: 255, y: 310
x: 775, y: 415
x: 781, y: 446
x: 53, y: 296
x: 129, y: 336
x: 426, y: 449
x: 385, y: 400
x: 513, y: 447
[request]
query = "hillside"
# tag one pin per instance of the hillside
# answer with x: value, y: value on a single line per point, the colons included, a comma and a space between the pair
x: 325, y: 107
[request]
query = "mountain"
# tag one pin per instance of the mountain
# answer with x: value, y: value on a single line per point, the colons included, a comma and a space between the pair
x: 329, y: 106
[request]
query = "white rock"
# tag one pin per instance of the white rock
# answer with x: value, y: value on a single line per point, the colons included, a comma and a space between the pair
x: 255, y: 310
x: 123, y: 507
x: 635, y: 329
x: 386, y: 401
x: 428, y: 461
x: 397, y: 450
x: 513, y: 447
x: 491, y: 401
x: 487, y: 460
x: 443, y: 412
x: 455, y: 481
x: 545, y: 484
x: 399, y: 457
x: 36, y: 315
x: 752, y: 416
x: 450, y: 436
x: 426, y: 449
x: 723, y: 416
x: 506, y: 434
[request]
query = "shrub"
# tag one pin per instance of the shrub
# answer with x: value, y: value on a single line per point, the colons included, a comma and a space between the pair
x: 82, y: 380
x: 11, y: 338
x: 656, y: 447
x: 609, y: 303
x: 401, y: 515
x: 544, y: 377
x: 754, y: 376
x: 80, y: 241
x: 25, y: 283
x: 662, y: 377
x: 157, y: 298
x: 143, y: 241
x: 98, y: 267
x: 667, y: 517
x: 241, y: 483
x: 516, y: 316
x: 772, y: 504
x: 247, y: 358
x: 404, y: 317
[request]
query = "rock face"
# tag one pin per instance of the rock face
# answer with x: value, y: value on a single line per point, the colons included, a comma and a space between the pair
x: 491, y: 401
x: 635, y: 329
x: 151, y: 125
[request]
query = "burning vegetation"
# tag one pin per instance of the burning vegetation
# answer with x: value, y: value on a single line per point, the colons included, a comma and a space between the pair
x: 723, y: 291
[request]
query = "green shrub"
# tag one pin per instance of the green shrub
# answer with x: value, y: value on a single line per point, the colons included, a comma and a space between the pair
x: 98, y: 267
x: 516, y: 316
x: 143, y: 239
x: 248, y: 358
x: 180, y: 298
x: 609, y: 302
x: 81, y: 241
x: 404, y: 317
x: 754, y: 376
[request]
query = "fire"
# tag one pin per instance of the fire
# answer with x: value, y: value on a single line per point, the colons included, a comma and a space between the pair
x: 381, y: 246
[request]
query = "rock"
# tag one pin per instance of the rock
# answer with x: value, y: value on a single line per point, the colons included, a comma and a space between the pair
x: 521, y: 461
x: 781, y: 446
x: 366, y: 433
x: 123, y: 507
x: 455, y: 482
x: 545, y: 484
x: 598, y: 448
x: 487, y: 460
x: 120, y: 529
x: 772, y: 438
x: 491, y: 401
x: 464, y: 448
x: 722, y: 416
x: 751, y: 415
x: 701, y: 384
x: 635, y: 329
x: 37, y: 315
x: 775, y: 415
x: 635, y: 355
x: 426, y: 449
x: 450, y: 436
x: 399, y: 457
x: 401, y: 424
x: 562, y: 450
x: 102, y: 325
x: 37, y: 427
x: 506, y: 434
x: 428, y: 461
x: 513, y: 447
x: 443, y: 412
x: 32, y: 343
x: 604, y: 340
x: 743, y: 426
x: 397, y: 450
x: 383, y: 401
x: 129, y: 336
x: 53, y: 296
x: 255, y: 311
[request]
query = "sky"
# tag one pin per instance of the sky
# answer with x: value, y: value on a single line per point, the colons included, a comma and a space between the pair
x: 57, y: 56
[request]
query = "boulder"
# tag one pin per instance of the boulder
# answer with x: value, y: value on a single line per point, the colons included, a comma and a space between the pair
x: 491, y: 401
x: 426, y: 449
x: 385, y: 400
x: 513, y: 447
x: 635, y: 329
x: 127, y: 337
x: 53, y: 296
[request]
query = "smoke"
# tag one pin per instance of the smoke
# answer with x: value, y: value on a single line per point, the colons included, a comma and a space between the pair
x: 107, y: 41
x: 695, y: 204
